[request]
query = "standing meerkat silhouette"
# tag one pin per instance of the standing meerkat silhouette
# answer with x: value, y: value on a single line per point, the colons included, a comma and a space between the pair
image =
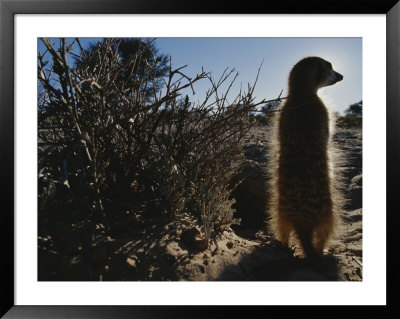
x: 303, y: 191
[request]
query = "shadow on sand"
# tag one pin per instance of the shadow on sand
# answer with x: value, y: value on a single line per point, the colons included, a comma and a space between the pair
x: 274, y: 263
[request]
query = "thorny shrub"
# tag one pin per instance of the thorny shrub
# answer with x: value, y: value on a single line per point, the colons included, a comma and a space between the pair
x: 107, y: 147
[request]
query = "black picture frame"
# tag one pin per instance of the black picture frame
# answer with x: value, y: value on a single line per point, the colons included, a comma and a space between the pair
x: 8, y: 10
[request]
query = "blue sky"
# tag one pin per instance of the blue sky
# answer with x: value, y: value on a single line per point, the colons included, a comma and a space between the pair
x: 278, y: 54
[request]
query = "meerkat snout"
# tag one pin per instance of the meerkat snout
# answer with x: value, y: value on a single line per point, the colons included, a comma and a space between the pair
x: 332, y: 78
x: 329, y: 75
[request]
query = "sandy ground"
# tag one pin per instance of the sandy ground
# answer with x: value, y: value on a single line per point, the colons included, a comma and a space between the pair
x: 160, y: 251
x: 250, y: 253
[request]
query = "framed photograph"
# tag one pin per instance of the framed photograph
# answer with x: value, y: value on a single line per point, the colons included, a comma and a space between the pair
x: 174, y: 159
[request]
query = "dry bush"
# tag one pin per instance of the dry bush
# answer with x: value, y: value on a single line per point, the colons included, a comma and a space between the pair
x: 108, y: 148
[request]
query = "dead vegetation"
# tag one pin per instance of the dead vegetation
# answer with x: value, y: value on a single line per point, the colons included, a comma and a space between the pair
x: 117, y: 154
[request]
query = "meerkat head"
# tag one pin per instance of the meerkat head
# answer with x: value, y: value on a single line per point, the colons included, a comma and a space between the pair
x: 311, y: 74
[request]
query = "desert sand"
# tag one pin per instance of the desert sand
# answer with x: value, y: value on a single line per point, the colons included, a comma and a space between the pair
x: 156, y: 250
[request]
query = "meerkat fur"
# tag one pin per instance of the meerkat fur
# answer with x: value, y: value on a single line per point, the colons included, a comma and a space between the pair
x: 305, y: 189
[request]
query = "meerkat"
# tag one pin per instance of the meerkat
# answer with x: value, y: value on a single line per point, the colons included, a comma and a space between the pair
x: 303, y: 193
